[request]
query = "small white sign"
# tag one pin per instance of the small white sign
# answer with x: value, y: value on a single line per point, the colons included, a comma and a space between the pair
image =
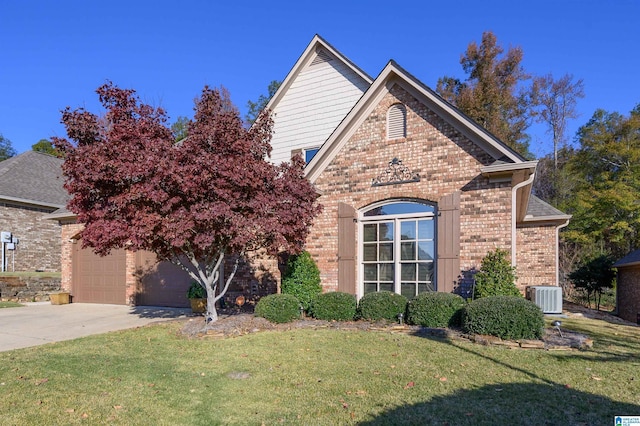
x: 627, y: 420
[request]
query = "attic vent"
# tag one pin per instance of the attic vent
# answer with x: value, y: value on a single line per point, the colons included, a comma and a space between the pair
x: 396, y: 121
x: 321, y: 58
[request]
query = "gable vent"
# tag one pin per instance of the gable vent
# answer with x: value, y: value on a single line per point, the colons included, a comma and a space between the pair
x: 396, y: 122
x: 321, y: 58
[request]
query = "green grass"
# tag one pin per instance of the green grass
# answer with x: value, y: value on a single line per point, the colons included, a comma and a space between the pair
x: 10, y: 304
x: 152, y: 375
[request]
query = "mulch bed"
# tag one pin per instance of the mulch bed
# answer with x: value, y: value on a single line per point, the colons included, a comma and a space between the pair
x: 234, y: 323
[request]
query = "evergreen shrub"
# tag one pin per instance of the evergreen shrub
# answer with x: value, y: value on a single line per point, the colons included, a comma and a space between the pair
x: 382, y: 305
x: 508, y: 317
x: 278, y: 308
x: 334, y: 306
x: 434, y: 309
x: 496, y: 276
x: 302, y: 278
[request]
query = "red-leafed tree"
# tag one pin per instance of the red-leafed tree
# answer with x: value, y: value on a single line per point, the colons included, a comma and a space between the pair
x: 193, y: 202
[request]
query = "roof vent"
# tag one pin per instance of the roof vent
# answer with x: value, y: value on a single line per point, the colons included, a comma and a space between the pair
x: 321, y: 57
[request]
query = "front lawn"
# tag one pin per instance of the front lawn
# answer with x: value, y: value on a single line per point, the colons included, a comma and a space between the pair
x: 152, y: 375
x: 7, y: 304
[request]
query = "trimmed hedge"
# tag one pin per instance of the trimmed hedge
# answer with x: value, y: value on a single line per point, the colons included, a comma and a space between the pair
x: 382, y: 305
x: 302, y: 278
x: 508, y: 317
x: 334, y: 306
x: 435, y: 309
x: 278, y: 308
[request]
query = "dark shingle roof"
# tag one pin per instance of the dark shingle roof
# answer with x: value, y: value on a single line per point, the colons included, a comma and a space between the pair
x: 33, y: 177
x: 538, y: 208
x: 630, y: 259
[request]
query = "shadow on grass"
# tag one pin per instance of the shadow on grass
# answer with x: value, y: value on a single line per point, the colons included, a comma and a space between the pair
x: 160, y: 312
x: 510, y: 403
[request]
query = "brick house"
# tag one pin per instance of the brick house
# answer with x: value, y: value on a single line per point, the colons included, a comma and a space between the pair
x: 628, y: 287
x: 31, y: 186
x: 414, y: 192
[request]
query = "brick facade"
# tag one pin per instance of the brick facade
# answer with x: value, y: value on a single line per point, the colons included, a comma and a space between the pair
x: 628, y: 293
x: 446, y: 162
x: 39, y: 239
x: 536, y: 255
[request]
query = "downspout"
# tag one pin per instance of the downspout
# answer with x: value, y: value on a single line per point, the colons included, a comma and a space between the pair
x: 558, y: 228
x: 514, y: 215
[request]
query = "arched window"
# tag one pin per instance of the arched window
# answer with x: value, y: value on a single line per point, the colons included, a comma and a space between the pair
x: 398, y: 248
x: 396, y: 121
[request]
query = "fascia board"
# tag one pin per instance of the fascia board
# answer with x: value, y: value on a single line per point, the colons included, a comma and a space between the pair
x: 508, y: 167
x: 31, y: 202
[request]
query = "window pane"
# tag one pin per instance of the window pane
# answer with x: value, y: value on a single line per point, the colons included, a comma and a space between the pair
x: 408, y: 290
x: 425, y: 229
x: 309, y: 153
x: 425, y: 250
x: 369, y: 232
x: 423, y: 288
x: 386, y: 287
x: 371, y: 272
x: 408, y: 272
x: 386, y: 251
x: 408, y: 230
x: 370, y: 288
x: 425, y: 271
x: 400, y: 208
x: 369, y: 252
x: 386, y: 272
x: 408, y: 251
x: 385, y: 232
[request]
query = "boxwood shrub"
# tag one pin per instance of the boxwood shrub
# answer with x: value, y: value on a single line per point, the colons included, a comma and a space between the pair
x: 382, y: 305
x: 508, y: 317
x: 435, y: 309
x: 278, y: 308
x: 335, y: 306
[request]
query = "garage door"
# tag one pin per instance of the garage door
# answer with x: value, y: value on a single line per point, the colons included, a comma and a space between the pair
x: 98, y: 279
x: 160, y: 284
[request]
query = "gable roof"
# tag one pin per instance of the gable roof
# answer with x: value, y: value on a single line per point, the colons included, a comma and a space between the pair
x: 33, y: 178
x: 317, y: 44
x: 316, y: 94
x: 393, y: 75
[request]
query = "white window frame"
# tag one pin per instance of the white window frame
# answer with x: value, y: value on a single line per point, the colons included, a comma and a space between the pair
x: 397, y: 219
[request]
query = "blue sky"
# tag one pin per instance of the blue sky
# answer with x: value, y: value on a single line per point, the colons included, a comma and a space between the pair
x: 55, y: 54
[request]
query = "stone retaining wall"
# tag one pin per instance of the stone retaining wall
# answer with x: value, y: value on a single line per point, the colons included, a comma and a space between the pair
x: 28, y: 289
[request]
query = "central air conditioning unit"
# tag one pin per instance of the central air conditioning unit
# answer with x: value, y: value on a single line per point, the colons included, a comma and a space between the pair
x: 546, y: 297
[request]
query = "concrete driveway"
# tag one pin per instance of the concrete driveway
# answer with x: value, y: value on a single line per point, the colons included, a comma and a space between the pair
x: 41, y: 322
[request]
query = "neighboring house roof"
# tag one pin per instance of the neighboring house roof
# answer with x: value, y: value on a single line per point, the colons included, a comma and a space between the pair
x: 631, y: 259
x: 33, y: 178
x: 393, y: 75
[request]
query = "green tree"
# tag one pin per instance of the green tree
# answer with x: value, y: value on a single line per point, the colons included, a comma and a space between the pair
x: 606, y: 168
x: 494, y: 93
x: 6, y: 148
x: 45, y: 146
x: 496, y: 276
x: 180, y: 128
x: 594, y: 277
x: 254, y: 108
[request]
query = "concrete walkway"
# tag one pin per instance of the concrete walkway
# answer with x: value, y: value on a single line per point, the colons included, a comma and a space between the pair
x: 41, y: 322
